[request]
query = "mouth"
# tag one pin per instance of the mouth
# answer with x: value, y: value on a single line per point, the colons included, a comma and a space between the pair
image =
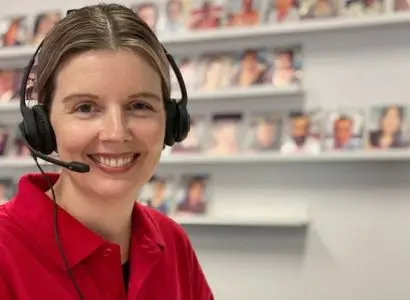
x: 114, y: 162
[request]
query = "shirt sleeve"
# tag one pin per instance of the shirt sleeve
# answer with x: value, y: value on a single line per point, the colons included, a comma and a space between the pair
x: 200, y: 289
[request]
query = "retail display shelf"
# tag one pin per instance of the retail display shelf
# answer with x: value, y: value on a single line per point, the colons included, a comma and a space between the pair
x: 253, y: 32
x: 9, y: 106
x: 285, y: 220
x: 17, y: 162
x: 308, y: 26
x: 227, y: 94
x: 354, y: 156
x: 252, y: 93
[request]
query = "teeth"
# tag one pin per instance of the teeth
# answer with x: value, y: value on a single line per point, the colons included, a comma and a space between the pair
x: 113, y: 162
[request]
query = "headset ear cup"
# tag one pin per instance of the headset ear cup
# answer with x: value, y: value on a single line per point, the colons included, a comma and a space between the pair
x: 45, y: 131
x: 183, y: 124
x: 29, y: 131
x: 171, y: 115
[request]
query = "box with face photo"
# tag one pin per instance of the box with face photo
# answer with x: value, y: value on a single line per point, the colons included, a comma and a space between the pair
x: 358, y: 8
x: 5, y: 139
x: 17, y: 147
x: 9, y: 85
x: 198, y: 134
x: 215, y: 71
x: 158, y: 193
x: 344, y: 129
x: 388, y: 127
x: 206, y: 14
x: 225, y: 132
x: 250, y: 69
x: 401, y: 5
x: 193, y: 195
x: 242, y: 13
x: 42, y: 24
x: 319, y: 9
x: 285, y: 66
x: 302, y: 132
x: 188, y: 66
x: 7, y: 189
x: 17, y: 78
x: 265, y: 131
x: 149, y: 12
x: 13, y: 31
x: 282, y: 11
x: 175, y: 17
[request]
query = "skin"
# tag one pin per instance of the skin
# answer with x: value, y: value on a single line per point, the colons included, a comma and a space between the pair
x: 124, y: 113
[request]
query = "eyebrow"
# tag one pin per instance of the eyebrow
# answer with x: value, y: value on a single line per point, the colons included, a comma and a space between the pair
x: 74, y: 96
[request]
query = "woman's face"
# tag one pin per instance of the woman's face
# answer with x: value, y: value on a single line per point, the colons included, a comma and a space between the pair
x: 196, y: 192
x: 391, y: 121
x: 249, y: 61
x: 225, y: 134
x: 47, y: 23
x: 283, y: 61
x: 266, y: 134
x: 108, y: 112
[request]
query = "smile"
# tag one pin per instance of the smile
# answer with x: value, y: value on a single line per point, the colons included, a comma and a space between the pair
x: 119, y: 162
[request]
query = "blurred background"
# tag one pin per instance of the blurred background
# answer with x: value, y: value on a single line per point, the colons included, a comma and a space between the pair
x: 293, y: 182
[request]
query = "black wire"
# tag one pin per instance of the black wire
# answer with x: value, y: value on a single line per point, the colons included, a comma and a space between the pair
x: 56, y: 234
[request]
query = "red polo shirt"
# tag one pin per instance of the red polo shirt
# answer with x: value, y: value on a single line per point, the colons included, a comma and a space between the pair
x: 163, y: 263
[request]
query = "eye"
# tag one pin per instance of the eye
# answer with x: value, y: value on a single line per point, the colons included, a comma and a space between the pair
x: 84, y: 108
x: 139, y: 106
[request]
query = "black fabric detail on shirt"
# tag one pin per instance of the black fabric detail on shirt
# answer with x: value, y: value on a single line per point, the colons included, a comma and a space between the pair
x: 126, y: 274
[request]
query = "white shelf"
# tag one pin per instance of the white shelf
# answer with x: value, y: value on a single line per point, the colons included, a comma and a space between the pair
x: 257, y: 92
x: 243, y: 221
x: 355, y: 156
x: 358, y: 156
x: 254, y: 32
x: 12, y: 106
x: 17, y: 52
x: 304, y: 26
x: 16, y: 162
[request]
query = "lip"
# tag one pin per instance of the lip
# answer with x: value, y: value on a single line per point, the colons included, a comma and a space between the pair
x: 114, y: 155
x: 114, y: 170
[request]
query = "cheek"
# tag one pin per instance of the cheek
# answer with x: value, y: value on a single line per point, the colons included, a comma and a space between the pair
x: 72, y: 139
x: 149, y: 134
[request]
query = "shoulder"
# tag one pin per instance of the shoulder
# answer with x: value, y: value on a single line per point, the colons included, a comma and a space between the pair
x: 171, y: 231
x: 12, y: 240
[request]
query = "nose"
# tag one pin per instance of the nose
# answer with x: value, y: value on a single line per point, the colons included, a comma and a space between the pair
x: 115, y: 127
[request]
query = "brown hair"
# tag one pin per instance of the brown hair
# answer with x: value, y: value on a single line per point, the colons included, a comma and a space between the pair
x: 97, y: 27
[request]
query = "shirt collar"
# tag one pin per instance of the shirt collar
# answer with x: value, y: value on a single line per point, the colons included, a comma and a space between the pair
x: 33, y: 210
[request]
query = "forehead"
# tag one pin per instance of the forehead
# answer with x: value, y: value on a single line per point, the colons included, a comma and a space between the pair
x: 107, y: 74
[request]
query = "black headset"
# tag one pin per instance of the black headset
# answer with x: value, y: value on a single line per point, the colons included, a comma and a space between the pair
x: 38, y: 134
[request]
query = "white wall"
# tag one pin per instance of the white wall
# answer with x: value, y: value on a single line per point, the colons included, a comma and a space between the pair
x: 357, y: 247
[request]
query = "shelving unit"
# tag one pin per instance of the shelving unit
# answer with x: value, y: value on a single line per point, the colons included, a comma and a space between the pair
x: 284, y: 220
x: 302, y: 27
x: 241, y: 159
x: 356, y: 211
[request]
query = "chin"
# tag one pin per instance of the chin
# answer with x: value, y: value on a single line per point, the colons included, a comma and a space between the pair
x: 110, y: 190
x: 117, y: 178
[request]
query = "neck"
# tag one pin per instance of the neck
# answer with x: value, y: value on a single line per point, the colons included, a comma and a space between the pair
x: 109, y: 219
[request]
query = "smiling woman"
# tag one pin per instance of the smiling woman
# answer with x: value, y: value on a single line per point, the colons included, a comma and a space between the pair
x: 103, y: 85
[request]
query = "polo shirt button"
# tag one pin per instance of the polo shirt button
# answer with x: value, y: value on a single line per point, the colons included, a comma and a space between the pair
x: 107, y: 252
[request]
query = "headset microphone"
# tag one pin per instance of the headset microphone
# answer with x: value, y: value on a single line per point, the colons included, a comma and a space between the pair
x: 74, y: 166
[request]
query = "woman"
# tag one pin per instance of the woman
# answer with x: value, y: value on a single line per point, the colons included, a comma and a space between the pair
x: 389, y: 134
x: 43, y: 23
x: 103, y: 77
